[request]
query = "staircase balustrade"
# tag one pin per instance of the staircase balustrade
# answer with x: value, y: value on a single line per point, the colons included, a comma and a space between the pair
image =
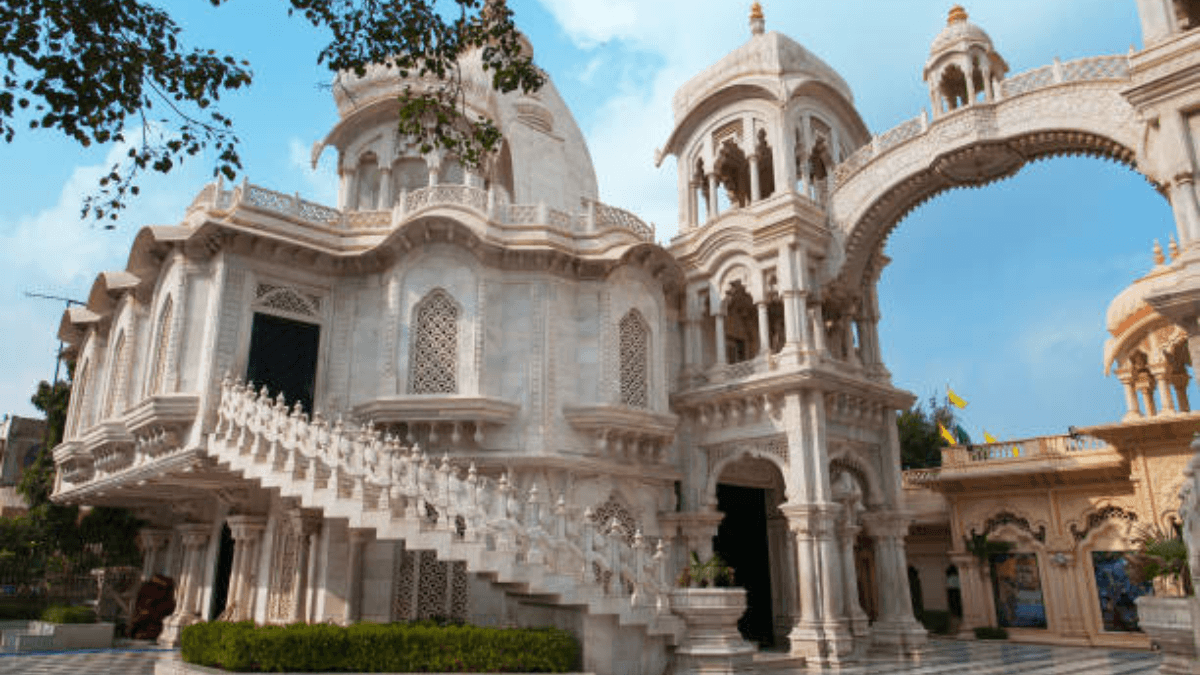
x: 359, y: 463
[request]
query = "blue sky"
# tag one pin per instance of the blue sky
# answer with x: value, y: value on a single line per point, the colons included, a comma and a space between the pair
x: 1000, y: 291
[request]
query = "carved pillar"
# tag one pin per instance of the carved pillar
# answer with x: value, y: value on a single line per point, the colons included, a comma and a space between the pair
x: 1064, y: 586
x: 1146, y: 389
x: 764, y: 330
x: 781, y: 550
x: 1159, y: 371
x: 194, y: 537
x: 722, y: 358
x: 714, y: 208
x: 896, y: 630
x: 354, y: 573
x: 1132, y: 410
x: 1180, y: 383
x: 247, y: 537
x: 307, y: 524
x: 755, y: 190
x: 859, y: 621
x: 698, y: 529
x: 693, y: 207
x: 818, y: 329
x: 385, y: 189
x: 975, y: 593
x: 822, y: 633
x: 151, y: 541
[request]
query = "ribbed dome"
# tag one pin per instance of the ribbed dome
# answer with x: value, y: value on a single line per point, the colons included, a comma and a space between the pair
x: 1131, y: 301
x: 959, y: 33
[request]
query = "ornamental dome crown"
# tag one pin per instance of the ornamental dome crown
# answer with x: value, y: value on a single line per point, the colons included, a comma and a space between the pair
x: 960, y: 36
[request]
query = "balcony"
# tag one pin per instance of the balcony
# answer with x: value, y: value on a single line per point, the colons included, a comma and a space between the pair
x: 1037, y: 461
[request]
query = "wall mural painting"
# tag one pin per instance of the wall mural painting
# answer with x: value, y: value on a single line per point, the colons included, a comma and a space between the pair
x: 1116, y: 591
x: 1018, y: 589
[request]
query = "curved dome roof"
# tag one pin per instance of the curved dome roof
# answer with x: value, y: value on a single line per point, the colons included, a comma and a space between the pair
x: 770, y: 55
x: 959, y: 32
x: 1131, y: 303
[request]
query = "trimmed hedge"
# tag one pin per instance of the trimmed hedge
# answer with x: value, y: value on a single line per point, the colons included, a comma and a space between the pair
x: 936, y: 621
x: 65, y: 614
x: 990, y: 633
x: 378, y: 648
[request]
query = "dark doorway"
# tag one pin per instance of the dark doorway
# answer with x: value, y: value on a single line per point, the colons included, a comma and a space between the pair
x: 742, y: 542
x: 221, y: 577
x: 283, y: 356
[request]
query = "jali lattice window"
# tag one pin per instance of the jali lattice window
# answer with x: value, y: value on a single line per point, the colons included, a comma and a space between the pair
x: 434, y: 358
x: 635, y: 360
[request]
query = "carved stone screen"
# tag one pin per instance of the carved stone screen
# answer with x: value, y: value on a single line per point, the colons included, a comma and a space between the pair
x: 435, y: 346
x: 634, y: 348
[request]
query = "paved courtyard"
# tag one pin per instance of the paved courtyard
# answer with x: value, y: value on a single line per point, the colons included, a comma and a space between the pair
x: 943, y: 656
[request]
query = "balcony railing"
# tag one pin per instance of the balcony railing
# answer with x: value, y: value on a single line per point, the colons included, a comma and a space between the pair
x: 1023, y: 450
x: 594, y: 217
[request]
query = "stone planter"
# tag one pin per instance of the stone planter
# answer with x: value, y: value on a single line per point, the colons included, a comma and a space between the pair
x: 43, y: 636
x: 1168, y: 623
x: 712, y: 644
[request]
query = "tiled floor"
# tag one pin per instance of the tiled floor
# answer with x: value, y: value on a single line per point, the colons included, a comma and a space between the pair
x: 943, y: 657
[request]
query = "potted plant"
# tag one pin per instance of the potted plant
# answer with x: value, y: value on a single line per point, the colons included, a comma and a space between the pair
x: 1160, y: 557
x: 711, y: 607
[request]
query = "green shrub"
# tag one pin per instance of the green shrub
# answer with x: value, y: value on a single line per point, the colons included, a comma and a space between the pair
x: 365, y: 648
x: 936, y: 621
x: 990, y: 633
x: 65, y: 614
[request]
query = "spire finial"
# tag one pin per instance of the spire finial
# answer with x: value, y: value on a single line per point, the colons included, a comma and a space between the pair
x: 957, y: 14
x: 1158, y: 254
x: 757, y: 23
x: 1174, y: 249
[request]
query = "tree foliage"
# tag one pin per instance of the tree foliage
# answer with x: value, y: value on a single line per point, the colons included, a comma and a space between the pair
x: 921, y: 442
x: 95, y: 70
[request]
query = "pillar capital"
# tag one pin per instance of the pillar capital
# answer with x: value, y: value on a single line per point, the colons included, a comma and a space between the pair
x: 887, y: 524
x: 307, y: 522
x: 194, y: 535
x: 816, y: 521
x: 245, y: 528
x: 152, y: 538
x: 361, y: 535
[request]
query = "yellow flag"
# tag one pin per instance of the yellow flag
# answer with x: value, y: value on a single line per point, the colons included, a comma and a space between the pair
x: 955, y: 398
x: 1016, y: 451
x: 947, y: 435
x: 988, y: 437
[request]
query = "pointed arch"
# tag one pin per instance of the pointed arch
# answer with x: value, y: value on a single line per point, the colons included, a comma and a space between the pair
x: 116, y: 377
x: 634, y: 347
x: 433, y: 367
x: 79, y: 398
x: 162, y: 337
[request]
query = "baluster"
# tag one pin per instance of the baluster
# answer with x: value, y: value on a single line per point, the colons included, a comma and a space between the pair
x: 533, y: 525
x: 472, y: 510
x: 504, y: 535
x: 614, y: 556
x: 639, y: 569
x: 411, y: 487
x: 560, y: 530
x: 660, y: 569
x: 445, y: 521
x: 588, y: 536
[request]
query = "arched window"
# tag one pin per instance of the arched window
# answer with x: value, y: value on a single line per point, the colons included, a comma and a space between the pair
x: 368, y: 183
x: 158, y: 359
x: 79, y: 399
x: 954, y: 87
x: 116, y: 378
x: 635, y: 360
x: 409, y: 174
x: 434, y: 358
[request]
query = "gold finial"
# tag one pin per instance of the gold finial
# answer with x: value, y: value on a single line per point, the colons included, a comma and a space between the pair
x: 1174, y: 249
x: 756, y: 19
x: 1158, y: 254
x: 957, y: 14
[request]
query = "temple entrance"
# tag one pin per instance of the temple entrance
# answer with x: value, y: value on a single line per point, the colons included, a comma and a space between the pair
x: 220, y: 592
x: 283, y: 357
x: 748, y: 492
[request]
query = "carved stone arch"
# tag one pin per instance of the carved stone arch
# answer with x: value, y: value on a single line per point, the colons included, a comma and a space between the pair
x: 1100, y: 521
x: 738, y: 268
x: 845, y: 459
x: 160, y: 338
x: 1011, y: 517
x: 770, y: 449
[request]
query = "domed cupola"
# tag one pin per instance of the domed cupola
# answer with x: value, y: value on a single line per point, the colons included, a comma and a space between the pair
x: 964, y: 67
x: 543, y: 158
x: 767, y: 118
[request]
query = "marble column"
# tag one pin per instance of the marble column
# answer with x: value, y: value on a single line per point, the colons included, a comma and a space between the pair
x: 1065, y: 597
x: 1132, y: 409
x: 781, y: 552
x: 247, y: 534
x: 818, y: 329
x: 896, y: 630
x: 1180, y: 383
x: 1147, y: 392
x: 714, y: 209
x: 195, y: 538
x: 755, y: 190
x: 307, y: 524
x: 354, y: 573
x: 1159, y: 371
x: 822, y: 633
x: 859, y: 621
x: 975, y: 593
x: 722, y: 358
x: 764, y: 330
x: 152, y: 542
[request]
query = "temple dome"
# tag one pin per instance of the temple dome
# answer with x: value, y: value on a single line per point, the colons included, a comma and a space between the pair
x: 959, y: 33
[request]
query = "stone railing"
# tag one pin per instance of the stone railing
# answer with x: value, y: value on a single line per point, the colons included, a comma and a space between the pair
x: 358, y: 463
x: 594, y: 217
x: 918, y: 478
x: 1028, y: 449
x: 1092, y: 68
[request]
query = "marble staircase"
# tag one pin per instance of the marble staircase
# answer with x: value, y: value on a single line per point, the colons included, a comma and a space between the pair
x: 515, y: 539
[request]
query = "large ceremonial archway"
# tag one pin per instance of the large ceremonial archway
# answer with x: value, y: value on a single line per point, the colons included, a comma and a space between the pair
x: 1074, y: 108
